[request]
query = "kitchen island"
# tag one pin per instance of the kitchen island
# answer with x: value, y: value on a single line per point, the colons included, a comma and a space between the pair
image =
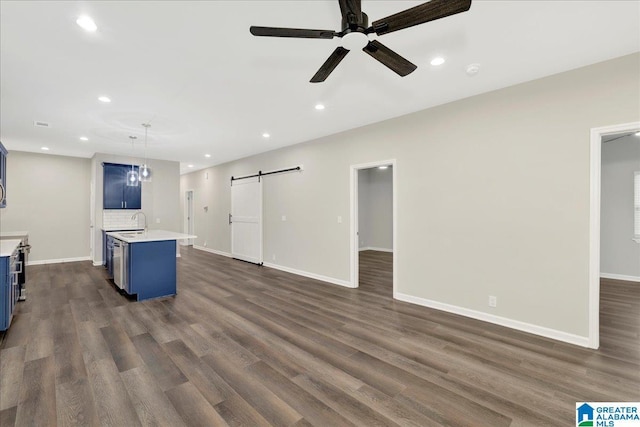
x: 144, y: 262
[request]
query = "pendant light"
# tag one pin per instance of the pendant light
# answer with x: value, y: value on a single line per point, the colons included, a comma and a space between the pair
x: 132, y: 175
x: 145, y: 170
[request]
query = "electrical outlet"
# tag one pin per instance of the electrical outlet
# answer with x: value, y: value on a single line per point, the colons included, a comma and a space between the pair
x: 284, y: 217
x: 339, y: 220
x: 273, y: 257
x: 157, y: 220
x: 205, y: 244
x: 493, y: 301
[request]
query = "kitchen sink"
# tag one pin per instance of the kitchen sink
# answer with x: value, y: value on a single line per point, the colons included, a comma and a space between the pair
x: 132, y: 234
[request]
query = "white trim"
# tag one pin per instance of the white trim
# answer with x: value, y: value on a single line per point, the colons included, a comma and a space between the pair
x: 372, y: 248
x: 619, y: 277
x: 353, y: 221
x: 594, y: 224
x: 502, y: 321
x: 212, y: 251
x: 185, y: 224
x: 95, y: 264
x: 61, y: 260
x: 320, y: 277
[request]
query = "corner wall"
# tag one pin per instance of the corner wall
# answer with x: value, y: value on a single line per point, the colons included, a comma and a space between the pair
x: 493, y: 197
x: 48, y: 196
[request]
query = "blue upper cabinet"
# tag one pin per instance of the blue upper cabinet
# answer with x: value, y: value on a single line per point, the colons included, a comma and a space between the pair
x: 116, y: 193
x: 3, y: 176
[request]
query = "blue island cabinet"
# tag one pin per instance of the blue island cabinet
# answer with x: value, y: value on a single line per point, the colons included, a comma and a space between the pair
x: 152, y: 269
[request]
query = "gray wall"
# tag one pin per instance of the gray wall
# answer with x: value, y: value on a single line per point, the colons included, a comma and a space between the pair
x: 48, y: 196
x: 160, y: 197
x: 619, y: 254
x: 375, y: 208
x: 493, y: 195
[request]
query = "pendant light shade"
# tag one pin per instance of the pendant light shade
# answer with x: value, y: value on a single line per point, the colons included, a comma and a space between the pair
x: 145, y: 173
x: 132, y: 175
x: 132, y: 178
x: 145, y: 170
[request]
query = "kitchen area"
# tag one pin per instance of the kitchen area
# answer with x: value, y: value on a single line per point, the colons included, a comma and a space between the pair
x: 136, y: 246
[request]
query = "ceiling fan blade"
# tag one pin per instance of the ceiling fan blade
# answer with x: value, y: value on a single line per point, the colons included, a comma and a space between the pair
x: 351, y: 8
x: 389, y: 58
x: 430, y: 11
x: 330, y: 64
x: 291, y: 32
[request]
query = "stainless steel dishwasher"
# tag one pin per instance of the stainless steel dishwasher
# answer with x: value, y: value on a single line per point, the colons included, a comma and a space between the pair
x: 120, y: 261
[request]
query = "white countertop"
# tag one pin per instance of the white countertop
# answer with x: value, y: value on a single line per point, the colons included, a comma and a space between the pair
x: 5, y: 234
x: 8, y: 246
x: 150, y: 236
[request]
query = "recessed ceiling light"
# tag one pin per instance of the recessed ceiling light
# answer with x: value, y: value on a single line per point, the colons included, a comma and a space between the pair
x: 44, y: 148
x: 87, y: 23
x: 438, y: 60
x: 473, y: 69
x: 189, y: 166
x: 207, y: 155
x: 84, y: 138
x: 383, y: 167
x: 319, y: 107
x: 104, y: 99
x: 266, y: 135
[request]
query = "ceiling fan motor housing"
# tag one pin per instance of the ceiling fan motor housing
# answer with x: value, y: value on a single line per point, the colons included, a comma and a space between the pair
x: 350, y: 23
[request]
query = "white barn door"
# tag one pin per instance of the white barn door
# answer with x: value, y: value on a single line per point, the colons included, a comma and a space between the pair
x: 246, y: 220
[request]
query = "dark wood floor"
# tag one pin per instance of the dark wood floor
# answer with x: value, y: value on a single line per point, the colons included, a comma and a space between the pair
x: 252, y: 346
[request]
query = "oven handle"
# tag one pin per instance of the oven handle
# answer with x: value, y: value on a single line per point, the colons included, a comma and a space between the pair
x: 2, y: 193
x: 18, y: 271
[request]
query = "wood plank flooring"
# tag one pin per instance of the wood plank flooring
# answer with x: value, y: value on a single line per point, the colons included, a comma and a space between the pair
x: 242, y: 345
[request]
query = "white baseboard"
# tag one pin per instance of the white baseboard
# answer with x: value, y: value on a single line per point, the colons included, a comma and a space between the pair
x: 373, y: 248
x: 320, y: 277
x: 61, y: 260
x: 212, y: 251
x: 619, y: 277
x: 98, y: 264
x: 503, y: 321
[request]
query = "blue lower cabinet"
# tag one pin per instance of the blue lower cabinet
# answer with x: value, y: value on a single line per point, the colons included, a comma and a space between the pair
x: 8, y: 290
x: 152, y: 269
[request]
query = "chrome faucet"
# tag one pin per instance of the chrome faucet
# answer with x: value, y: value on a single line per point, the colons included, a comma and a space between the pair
x: 145, y: 218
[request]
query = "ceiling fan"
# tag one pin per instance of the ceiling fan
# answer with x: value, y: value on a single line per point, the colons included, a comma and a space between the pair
x: 355, y: 31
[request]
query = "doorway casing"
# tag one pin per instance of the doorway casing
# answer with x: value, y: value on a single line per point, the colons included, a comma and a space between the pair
x: 189, y: 225
x: 594, y: 224
x: 353, y: 229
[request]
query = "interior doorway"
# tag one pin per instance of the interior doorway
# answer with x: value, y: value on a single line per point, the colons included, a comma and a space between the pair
x: 595, y: 227
x: 373, y: 219
x: 189, y: 225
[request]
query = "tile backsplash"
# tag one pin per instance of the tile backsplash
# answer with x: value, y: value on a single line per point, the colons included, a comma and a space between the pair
x: 120, y: 219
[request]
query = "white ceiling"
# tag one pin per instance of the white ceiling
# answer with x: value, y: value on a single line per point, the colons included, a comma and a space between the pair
x: 206, y: 85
